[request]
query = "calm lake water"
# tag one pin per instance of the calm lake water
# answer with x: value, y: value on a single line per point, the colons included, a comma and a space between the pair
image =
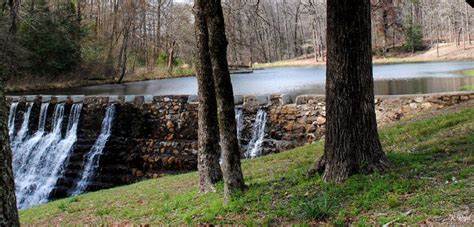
x: 396, y: 79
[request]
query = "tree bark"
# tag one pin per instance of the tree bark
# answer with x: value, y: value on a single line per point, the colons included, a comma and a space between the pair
x: 8, y: 209
x: 14, y: 15
x: 123, y: 56
x: 208, y: 133
x: 352, y: 142
x: 231, y: 168
x: 171, y: 56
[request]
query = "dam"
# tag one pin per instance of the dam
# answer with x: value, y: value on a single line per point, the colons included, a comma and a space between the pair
x: 67, y: 145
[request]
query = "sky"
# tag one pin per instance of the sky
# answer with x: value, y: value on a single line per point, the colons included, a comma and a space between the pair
x: 183, y: 1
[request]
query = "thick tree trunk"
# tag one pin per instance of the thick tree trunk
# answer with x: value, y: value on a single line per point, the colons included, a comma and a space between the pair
x: 352, y: 142
x: 231, y: 168
x: 8, y: 209
x: 208, y: 133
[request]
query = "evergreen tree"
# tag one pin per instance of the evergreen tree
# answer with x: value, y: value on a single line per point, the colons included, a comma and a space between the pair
x: 52, y: 37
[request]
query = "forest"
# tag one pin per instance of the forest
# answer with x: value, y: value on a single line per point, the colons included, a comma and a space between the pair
x: 83, y: 42
x: 124, y: 112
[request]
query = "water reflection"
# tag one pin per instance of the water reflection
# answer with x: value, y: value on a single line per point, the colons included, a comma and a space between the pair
x: 396, y: 79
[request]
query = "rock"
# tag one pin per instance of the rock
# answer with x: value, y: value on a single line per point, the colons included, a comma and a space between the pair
x: 312, y: 128
x: 148, y: 99
x: 413, y: 106
x: 426, y: 105
x: 59, y: 99
x: 129, y: 98
x: 285, y: 100
x: 139, y: 173
x: 321, y: 120
x: 169, y: 125
x: 464, y: 98
x: 47, y: 98
x: 169, y: 137
x: 419, y: 99
x: 193, y: 99
x: 262, y: 100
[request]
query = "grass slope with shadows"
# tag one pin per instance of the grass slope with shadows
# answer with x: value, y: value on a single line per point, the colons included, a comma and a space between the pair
x: 431, y: 181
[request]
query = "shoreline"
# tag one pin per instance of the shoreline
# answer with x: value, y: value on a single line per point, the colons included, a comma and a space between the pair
x: 376, y: 61
x: 448, y: 53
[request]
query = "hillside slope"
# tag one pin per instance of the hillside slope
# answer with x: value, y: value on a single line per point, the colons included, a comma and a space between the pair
x: 431, y: 182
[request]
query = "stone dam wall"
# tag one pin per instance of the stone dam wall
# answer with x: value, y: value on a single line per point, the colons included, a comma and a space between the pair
x: 157, y: 135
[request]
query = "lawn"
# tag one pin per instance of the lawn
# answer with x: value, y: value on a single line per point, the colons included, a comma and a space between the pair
x: 431, y: 181
x: 469, y: 72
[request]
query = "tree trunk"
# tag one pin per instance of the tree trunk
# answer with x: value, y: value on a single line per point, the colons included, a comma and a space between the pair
x: 468, y: 29
x: 352, y: 142
x: 8, y: 209
x: 231, y: 168
x: 315, y: 45
x: 14, y: 15
x: 208, y: 133
x: 123, y: 56
x: 171, y: 56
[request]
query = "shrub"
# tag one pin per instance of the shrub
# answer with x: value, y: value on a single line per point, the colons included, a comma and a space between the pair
x: 413, y: 38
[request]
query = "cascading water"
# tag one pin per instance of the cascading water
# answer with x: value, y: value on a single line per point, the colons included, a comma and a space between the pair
x: 93, y: 157
x: 254, y: 148
x: 39, y: 161
x: 23, y: 132
x: 23, y: 151
x: 11, y: 119
x: 239, y: 118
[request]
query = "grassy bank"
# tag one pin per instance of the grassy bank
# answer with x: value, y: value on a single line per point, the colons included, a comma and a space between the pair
x: 431, y: 181
x: 468, y: 72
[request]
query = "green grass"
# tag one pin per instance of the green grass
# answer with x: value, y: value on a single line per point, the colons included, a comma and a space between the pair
x: 469, y: 72
x: 467, y: 88
x: 431, y: 178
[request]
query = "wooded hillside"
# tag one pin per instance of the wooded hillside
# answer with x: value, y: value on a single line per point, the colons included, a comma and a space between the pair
x: 110, y: 39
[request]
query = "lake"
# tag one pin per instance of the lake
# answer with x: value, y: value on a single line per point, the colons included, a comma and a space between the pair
x: 393, y: 79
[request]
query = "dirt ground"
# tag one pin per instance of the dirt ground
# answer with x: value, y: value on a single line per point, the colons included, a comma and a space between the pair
x: 447, y: 52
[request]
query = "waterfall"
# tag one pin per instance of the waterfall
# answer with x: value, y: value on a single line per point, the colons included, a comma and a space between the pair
x: 46, y: 153
x: 93, y: 156
x: 254, y: 148
x: 22, y: 152
x: 23, y: 132
x: 239, y: 118
x: 11, y: 119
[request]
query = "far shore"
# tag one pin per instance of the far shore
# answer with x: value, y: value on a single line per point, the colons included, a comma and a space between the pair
x: 447, y: 52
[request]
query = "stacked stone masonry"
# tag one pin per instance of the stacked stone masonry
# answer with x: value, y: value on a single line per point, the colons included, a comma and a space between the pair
x: 155, y: 136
